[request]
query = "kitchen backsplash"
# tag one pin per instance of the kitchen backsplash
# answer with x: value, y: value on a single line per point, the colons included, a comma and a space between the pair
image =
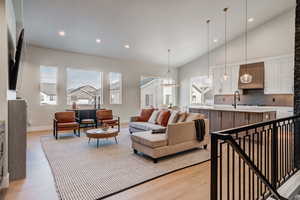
x: 257, y: 98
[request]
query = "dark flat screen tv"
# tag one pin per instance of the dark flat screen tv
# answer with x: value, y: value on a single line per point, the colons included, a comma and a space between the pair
x: 14, y: 63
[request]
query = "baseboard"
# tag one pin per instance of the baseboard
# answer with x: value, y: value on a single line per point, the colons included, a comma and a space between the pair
x: 39, y: 128
x: 5, y: 182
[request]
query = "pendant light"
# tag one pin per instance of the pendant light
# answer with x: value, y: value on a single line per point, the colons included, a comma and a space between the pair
x: 225, y: 76
x: 169, y: 82
x: 208, y: 80
x: 246, y: 78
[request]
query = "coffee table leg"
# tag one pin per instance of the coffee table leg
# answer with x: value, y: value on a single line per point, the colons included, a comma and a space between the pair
x: 89, y: 140
x: 116, y: 140
x: 97, y: 143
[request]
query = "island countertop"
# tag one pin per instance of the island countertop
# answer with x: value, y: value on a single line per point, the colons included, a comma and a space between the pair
x: 251, y: 109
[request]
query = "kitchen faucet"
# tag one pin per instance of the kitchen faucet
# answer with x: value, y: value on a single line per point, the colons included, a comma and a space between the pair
x: 236, y: 97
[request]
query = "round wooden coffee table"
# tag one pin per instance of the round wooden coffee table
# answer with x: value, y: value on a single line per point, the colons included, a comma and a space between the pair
x: 101, y: 134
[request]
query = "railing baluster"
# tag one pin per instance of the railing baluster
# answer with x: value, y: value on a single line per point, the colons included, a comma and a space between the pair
x: 221, y: 170
x: 239, y: 182
x: 253, y: 157
x: 274, y: 153
x: 214, y: 168
x: 264, y: 166
x: 228, y: 171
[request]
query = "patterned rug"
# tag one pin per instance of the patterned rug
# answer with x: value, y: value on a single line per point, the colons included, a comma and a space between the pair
x: 83, y: 172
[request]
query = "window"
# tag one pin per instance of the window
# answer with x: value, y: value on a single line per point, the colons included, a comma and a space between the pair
x: 115, y: 88
x: 48, y: 85
x: 168, y: 94
x: 153, y: 94
x: 200, y: 86
x: 83, y: 86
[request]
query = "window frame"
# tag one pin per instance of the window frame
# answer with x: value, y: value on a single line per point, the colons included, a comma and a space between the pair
x: 89, y: 70
x: 162, y: 95
x: 56, y: 85
x: 120, y: 89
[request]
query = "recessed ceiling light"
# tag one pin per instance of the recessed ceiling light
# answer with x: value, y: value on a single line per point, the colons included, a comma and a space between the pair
x: 62, y: 33
x: 251, y: 19
x: 216, y: 40
x: 98, y: 40
x: 126, y: 46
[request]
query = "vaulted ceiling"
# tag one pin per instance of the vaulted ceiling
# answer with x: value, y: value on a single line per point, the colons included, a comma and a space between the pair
x: 150, y: 27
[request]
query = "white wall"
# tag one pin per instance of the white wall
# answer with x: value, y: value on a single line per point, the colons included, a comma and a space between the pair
x: 4, y: 78
x: 41, y: 116
x: 274, y: 38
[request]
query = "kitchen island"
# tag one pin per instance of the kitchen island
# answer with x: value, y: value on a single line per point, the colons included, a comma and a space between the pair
x: 226, y: 117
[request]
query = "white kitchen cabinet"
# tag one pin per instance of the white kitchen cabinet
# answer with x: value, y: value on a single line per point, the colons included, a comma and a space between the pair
x: 221, y: 86
x: 279, y: 75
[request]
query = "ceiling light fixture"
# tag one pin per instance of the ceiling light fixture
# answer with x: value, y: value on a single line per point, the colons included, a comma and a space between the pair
x: 225, y: 76
x: 62, y: 33
x: 246, y: 77
x: 216, y: 40
x: 251, y: 19
x: 127, y: 46
x: 98, y: 40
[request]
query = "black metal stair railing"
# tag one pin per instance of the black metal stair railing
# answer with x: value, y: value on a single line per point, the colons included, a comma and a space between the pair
x: 252, y: 162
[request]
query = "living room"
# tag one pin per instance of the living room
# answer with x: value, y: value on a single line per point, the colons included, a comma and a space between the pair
x: 129, y: 100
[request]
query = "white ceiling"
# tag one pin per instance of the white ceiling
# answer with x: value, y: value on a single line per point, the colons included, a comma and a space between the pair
x: 149, y: 26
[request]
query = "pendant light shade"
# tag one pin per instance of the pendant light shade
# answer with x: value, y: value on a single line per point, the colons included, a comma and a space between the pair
x: 225, y: 77
x: 246, y: 77
x: 168, y: 81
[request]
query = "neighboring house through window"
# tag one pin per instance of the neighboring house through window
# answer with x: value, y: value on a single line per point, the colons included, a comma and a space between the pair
x: 48, y: 85
x: 83, y: 86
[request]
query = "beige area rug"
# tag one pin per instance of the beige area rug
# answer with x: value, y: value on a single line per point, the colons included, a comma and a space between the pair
x: 83, y: 172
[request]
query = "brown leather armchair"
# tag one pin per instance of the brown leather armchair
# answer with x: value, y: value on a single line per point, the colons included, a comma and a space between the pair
x: 107, y: 117
x: 64, y: 121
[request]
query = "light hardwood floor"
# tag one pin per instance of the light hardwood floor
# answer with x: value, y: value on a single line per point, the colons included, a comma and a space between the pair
x: 188, y: 184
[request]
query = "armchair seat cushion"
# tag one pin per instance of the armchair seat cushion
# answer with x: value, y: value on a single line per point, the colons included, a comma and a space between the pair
x: 110, y: 121
x: 149, y: 139
x: 87, y: 121
x: 68, y: 125
x: 146, y: 126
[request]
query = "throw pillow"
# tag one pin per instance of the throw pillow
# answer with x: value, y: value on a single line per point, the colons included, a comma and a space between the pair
x: 182, y: 116
x: 145, y: 115
x: 154, y: 117
x: 163, y: 118
x: 174, y: 117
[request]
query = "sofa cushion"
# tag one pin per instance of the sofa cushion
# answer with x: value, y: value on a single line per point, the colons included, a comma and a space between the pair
x: 145, y: 115
x: 149, y: 139
x: 146, y: 126
x: 154, y: 117
x: 163, y: 118
x: 174, y: 117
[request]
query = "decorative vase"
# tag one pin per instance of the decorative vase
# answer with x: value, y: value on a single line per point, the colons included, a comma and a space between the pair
x: 74, y: 106
x: 105, y: 127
